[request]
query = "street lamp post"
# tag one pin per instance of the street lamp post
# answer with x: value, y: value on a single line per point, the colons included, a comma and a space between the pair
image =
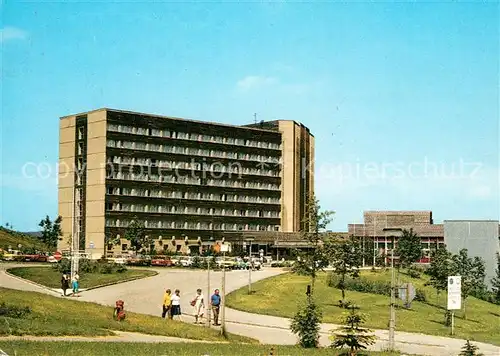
x: 392, y: 232
x: 250, y: 265
x: 223, y: 311
x: 207, y: 302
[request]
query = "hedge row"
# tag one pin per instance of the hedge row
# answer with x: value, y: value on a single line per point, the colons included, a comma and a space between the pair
x: 90, y: 266
x: 365, y: 285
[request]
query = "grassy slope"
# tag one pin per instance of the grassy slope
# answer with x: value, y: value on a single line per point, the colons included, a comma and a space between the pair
x: 56, y: 316
x: 14, y: 238
x: 125, y: 349
x: 280, y: 295
x: 50, y: 277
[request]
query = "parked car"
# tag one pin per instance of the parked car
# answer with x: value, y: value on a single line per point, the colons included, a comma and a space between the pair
x: 13, y: 255
x: 175, y: 260
x: 139, y: 260
x: 186, y: 261
x: 37, y: 257
x: 161, y: 261
x: 228, y: 262
x: 52, y: 259
x: 120, y: 260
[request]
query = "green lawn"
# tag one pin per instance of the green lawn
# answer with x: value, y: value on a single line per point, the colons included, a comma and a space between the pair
x: 57, y: 316
x: 50, y: 277
x: 21, y: 348
x: 280, y: 296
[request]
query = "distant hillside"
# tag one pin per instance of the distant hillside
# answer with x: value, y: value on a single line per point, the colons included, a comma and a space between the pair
x: 33, y: 233
x: 14, y: 238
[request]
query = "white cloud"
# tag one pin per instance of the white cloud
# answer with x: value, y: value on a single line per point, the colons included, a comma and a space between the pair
x: 252, y: 82
x: 12, y: 33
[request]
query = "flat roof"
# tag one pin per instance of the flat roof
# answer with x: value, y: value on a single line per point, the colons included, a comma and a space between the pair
x: 173, y: 118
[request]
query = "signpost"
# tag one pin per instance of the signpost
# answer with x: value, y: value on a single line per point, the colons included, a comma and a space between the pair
x: 224, y: 247
x: 407, y: 294
x: 454, y: 297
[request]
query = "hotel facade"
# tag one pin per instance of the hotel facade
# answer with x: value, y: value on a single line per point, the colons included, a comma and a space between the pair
x: 188, y: 182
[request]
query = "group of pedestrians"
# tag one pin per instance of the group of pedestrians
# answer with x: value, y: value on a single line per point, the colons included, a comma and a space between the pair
x: 75, y: 284
x: 172, y: 305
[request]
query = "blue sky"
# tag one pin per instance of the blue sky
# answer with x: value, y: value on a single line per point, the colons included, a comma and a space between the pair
x: 402, y: 98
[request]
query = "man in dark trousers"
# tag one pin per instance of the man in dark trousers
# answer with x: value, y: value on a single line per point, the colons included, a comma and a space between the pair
x: 215, y: 302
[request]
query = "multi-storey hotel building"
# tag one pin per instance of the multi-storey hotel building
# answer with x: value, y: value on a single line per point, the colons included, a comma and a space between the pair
x: 185, y: 180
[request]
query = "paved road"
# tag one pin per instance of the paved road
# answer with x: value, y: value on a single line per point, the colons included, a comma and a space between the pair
x: 145, y: 296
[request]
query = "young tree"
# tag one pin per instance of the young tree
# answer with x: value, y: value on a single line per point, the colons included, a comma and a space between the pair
x: 473, y: 272
x: 306, y: 324
x: 136, y: 234
x: 470, y: 350
x: 345, y: 257
x: 495, y: 281
x: 409, y: 248
x: 352, y: 335
x: 439, y: 269
x: 315, y: 222
x: 51, y: 231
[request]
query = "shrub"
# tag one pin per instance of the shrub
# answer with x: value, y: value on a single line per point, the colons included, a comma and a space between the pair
x: 447, y: 318
x: 306, y: 324
x: 121, y: 268
x: 64, y: 265
x: 420, y: 295
x: 87, y: 266
x: 106, y: 269
x: 12, y: 311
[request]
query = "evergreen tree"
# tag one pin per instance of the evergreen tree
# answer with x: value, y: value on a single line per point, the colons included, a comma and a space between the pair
x: 470, y: 350
x: 352, y: 335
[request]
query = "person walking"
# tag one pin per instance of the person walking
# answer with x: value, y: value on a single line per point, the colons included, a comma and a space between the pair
x: 167, y: 303
x: 215, y: 302
x: 175, y: 309
x: 75, y: 282
x: 199, y: 306
x: 64, y: 284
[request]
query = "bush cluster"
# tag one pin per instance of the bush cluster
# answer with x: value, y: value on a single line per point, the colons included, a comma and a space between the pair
x: 89, y: 266
x: 12, y: 311
x: 486, y: 295
x: 365, y: 285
